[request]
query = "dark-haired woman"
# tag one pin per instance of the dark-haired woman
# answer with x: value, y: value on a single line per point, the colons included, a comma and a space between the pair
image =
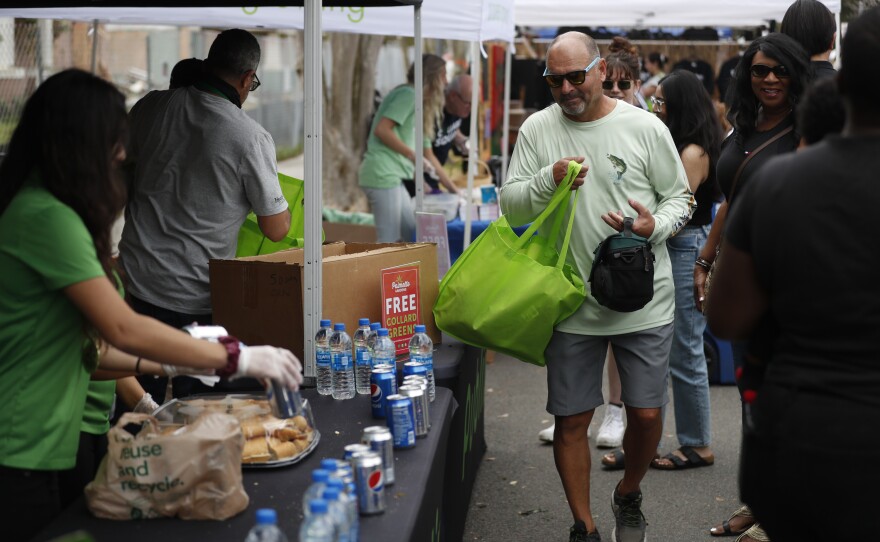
x: 60, y: 310
x: 682, y: 103
x: 622, y: 80
x: 770, y: 78
x: 655, y: 64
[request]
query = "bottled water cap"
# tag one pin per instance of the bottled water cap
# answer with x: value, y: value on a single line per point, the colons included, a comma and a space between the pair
x: 335, y: 483
x: 267, y: 516
x: 420, y: 328
x: 383, y: 332
x: 318, y: 506
x: 320, y: 475
x: 375, y: 325
x: 331, y: 494
x: 339, y: 327
x: 364, y: 322
x: 325, y: 323
x: 329, y: 464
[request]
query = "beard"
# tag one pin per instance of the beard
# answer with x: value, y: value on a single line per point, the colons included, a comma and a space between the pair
x: 573, y: 109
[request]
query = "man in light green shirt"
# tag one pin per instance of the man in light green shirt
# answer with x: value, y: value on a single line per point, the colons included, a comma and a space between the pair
x: 630, y: 167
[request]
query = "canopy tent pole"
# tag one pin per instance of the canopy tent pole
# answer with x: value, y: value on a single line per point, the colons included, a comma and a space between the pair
x: 94, y: 45
x: 313, y: 107
x: 505, y: 126
x: 419, y: 150
x: 474, y: 151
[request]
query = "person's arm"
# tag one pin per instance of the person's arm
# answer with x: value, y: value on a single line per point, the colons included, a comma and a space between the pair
x: 133, y: 395
x: 276, y: 226
x: 696, y: 165
x: 707, y: 254
x: 441, y: 173
x: 100, y: 303
x: 738, y: 301
x: 385, y: 132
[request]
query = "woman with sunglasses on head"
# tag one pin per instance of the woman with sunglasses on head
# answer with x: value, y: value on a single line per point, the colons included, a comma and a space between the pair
x: 682, y: 103
x: 770, y: 78
x: 622, y: 81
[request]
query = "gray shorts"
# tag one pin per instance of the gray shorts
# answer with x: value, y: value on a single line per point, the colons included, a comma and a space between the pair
x: 575, y: 362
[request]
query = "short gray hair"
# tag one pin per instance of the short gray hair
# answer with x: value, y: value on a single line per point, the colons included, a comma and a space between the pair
x: 234, y: 52
x: 586, y: 40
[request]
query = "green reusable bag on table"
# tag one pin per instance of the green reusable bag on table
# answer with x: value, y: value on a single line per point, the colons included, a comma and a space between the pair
x: 507, y: 292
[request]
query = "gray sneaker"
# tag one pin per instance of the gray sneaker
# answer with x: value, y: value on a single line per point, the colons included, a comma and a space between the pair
x: 630, y: 523
x: 578, y: 533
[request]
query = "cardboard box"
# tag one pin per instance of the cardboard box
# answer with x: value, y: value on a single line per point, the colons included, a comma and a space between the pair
x: 350, y: 233
x: 259, y: 299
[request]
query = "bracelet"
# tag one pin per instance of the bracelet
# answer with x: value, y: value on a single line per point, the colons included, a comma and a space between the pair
x: 232, y: 352
x: 137, y: 366
x: 704, y: 263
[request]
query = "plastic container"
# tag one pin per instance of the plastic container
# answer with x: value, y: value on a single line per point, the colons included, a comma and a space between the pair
x: 372, y: 336
x: 341, y: 363
x: 385, y: 354
x: 317, y: 526
x: 266, y: 529
x: 320, y: 477
x: 421, y: 350
x: 447, y: 204
x: 363, y: 357
x: 322, y: 359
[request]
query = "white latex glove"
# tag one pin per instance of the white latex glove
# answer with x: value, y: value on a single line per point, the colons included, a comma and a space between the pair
x: 268, y: 362
x: 146, y: 405
x: 179, y: 370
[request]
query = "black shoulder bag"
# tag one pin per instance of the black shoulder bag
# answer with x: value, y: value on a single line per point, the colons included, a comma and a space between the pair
x: 622, y: 276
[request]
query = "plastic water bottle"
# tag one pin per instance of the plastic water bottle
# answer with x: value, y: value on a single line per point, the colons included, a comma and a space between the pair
x: 338, y: 512
x: 314, y: 491
x: 421, y: 350
x: 349, y: 499
x: 363, y: 358
x: 385, y: 354
x: 266, y: 529
x: 373, y: 335
x: 340, y: 361
x: 322, y: 359
x: 317, y: 526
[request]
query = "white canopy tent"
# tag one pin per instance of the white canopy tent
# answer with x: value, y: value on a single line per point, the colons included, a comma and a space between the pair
x: 464, y: 20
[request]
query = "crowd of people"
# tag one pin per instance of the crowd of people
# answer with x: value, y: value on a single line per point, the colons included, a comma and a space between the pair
x: 793, y: 179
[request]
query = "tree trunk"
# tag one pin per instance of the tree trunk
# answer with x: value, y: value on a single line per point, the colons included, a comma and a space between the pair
x: 348, y: 106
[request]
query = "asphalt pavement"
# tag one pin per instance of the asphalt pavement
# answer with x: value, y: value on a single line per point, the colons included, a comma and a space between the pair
x: 518, y: 495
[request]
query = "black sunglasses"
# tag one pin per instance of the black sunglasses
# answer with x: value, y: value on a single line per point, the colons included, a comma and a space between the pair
x: 255, y: 84
x: 575, y: 78
x: 623, y: 84
x: 762, y: 70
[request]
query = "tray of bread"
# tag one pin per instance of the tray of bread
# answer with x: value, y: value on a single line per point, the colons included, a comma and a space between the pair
x: 269, y: 441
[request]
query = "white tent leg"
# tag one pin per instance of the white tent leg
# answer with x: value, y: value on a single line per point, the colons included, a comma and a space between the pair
x: 313, y: 109
x: 505, y: 126
x: 474, y: 152
x: 94, y: 46
x: 419, y: 175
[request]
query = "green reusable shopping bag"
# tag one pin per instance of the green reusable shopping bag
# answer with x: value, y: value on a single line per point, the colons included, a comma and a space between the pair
x: 507, y: 293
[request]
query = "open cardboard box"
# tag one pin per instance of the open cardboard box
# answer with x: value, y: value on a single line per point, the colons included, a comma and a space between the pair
x: 259, y: 299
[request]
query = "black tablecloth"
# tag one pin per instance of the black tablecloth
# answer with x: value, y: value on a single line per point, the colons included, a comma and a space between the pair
x: 415, y: 501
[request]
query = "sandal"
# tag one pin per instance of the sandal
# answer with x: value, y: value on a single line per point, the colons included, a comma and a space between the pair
x: 754, y: 534
x: 615, y: 460
x: 725, y: 530
x: 692, y: 460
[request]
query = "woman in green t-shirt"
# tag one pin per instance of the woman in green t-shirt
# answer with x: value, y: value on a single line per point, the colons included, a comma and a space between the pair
x: 60, y: 192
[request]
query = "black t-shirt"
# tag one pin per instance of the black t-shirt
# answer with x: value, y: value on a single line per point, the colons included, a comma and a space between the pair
x: 822, y: 69
x: 808, y: 220
x: 445, y: 136
x: 725, y: 75
x: 732, y: 154
x: 707, y: 194
x: 703, y: 71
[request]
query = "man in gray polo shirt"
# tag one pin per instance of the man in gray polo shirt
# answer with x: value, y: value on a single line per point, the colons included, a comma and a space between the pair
x: 201, y: 164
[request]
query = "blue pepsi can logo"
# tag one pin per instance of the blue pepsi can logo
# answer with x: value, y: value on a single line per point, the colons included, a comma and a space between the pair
x: 376, y: 481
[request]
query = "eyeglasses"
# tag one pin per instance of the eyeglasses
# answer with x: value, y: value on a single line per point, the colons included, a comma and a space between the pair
x: 255, y: 84
x: 575, y: 77
x: 623, y: 84
x: 659, y: 103
x: 761, y: 71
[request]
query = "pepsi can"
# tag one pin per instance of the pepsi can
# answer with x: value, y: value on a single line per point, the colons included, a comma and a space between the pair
x: 352, y: 449
x: 378, y: 438
x: 285, y: 403
x: 369, y: 476
x: 382, y: 384
x: 401, y: 419
x: 420, y: 408
x: 415, y: 368
x: 422, y: 383
x: 388, y: 367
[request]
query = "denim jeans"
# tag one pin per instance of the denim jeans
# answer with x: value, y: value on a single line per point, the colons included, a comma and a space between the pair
x: 687, y: 361
x: 393, y: 210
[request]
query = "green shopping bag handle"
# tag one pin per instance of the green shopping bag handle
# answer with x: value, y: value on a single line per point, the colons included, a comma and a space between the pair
x: 563, y: 191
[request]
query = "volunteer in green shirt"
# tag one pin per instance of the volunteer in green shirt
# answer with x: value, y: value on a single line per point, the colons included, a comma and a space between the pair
x: 59, y: 196
x: 390, y: 155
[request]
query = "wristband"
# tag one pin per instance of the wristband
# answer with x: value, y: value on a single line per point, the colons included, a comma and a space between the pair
x: 137, y: 366
x: 704, y: 263
x: 233, y: 350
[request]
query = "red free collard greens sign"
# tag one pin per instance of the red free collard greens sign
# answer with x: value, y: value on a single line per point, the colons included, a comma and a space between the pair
x: 400, y: 304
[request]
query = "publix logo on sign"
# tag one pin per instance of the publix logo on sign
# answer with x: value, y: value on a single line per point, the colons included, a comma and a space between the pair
x: 353, y: 14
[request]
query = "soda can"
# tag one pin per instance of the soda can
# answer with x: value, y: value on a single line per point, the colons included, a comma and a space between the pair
x: 415, y: 379
x: 415, y: 368
x: 285, y: 403
x: 352, y: 449
x: 379, y: 439
x: 420, y: 408
x: 382, y: 384
x: 423, y: 384
x: 388, y: 367
x: 401, y: 419
x: 369, y: 476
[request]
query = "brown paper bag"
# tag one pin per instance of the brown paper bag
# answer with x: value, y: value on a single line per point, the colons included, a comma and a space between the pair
x: 193, y: 472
